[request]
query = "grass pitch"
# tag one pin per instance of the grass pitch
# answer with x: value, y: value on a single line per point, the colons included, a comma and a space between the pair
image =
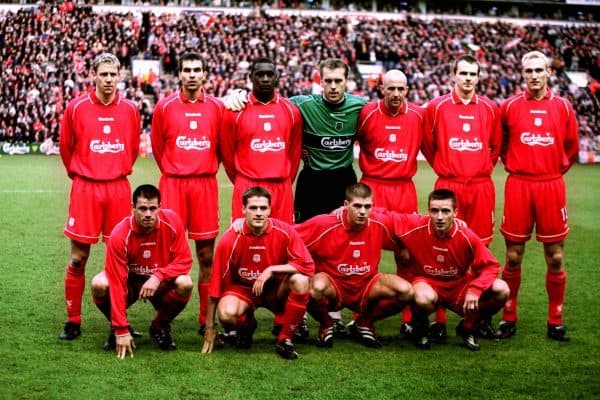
x: 34, y: 194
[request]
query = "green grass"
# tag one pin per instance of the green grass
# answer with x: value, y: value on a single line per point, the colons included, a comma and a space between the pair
x: 36, y: 365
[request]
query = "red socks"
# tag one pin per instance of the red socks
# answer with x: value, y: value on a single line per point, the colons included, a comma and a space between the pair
x: 74, y: 288
x: 555, y: 287
x: 319, y: 309
x: 440, y: 315
x: 294, y: 310
x: 406, y: 314
x: 512, y: 276
x: 170, y: 306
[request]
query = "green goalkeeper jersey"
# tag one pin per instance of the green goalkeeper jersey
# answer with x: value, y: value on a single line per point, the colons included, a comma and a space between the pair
x: 328, y: 130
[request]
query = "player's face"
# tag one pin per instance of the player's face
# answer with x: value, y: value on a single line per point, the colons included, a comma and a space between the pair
x: 145, y: 212
x: 394, y: 92
x: 358, y: 211
x: 106, y: 78
x: 466, y: 77
x: 257, y: 212
x: 191, y: 75
x: 536, y: 73
x: 334, y: 84
x: 442, y: 213
x: 264, y: 79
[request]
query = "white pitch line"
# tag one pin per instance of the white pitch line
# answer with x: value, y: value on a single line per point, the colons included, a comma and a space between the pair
x: 17, y: 191
x: 32, y: 191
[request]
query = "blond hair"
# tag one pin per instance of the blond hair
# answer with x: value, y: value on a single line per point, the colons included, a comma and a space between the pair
x: 533, y: 55
x: 105, y: 58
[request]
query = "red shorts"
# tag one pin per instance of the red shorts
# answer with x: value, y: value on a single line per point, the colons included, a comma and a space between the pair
x: 451, y: 294
x: 475, y: 202
x: 135, y: 283
x: 96, y: 207
x: 274, y: 296
x: 196, y: 200
x: 541, y: 202
x: 282, y: 198
x: 395, y: 195
x: 350, y: 295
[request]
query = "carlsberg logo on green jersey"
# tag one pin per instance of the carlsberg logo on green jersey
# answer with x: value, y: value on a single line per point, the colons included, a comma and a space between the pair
x: 335, y: 143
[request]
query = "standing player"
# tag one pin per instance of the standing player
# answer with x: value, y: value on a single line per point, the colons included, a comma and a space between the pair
x: 347, y: 252
x: 540, y: 145
x: 452, y: 267
x: 185, y: 134
x: 330, y: 122
x: 389, y: 133
x: 260, y: 145
x: 99, y: 142
x: 461, y: 141
x: 264, y: 265
x: 147, y: 258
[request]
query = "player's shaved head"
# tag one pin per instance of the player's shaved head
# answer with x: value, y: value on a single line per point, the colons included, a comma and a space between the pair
x: 394, y: 88
x: 394, y: 75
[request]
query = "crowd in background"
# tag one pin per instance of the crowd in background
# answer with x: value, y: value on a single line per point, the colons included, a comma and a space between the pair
x: 46, y: 51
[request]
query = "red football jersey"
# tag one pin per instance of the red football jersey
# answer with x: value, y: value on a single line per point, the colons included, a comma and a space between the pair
x: 164, y: 253
x: 541, y: 136
x: 350, y: 256
x: 185, y: 135
x: 98, y: 141
x: 389, y: 144
x: 462, y: 140
x: 451, y: 258
x: 263, y: 141
x: 240, y: 258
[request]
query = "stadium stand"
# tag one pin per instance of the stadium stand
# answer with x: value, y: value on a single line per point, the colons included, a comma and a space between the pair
x: 46, y: 52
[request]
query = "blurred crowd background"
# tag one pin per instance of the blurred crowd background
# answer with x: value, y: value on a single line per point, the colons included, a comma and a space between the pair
x: 46, y: 52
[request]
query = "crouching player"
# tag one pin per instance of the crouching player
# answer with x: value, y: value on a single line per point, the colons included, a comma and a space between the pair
x: 452, y: 268
x: 264, y: 265
x: 147, y: 258
x: 347, y: 251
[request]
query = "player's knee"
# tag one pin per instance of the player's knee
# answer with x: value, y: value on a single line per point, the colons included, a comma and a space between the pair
x: 227, y: 313
x: 514, y: 255
x: 501, y: 290
x: 318, y: 286
x: 405, y: 291
x: 99, y: 285
x: 205, y: 259
x: 78, y: 261
x: 513, y: 259
x: 204, y: 252
x: 299, y: 283
x: 424, y: 299
x: 555, y: 260
x: 184, y: 285
x: 204, y: 273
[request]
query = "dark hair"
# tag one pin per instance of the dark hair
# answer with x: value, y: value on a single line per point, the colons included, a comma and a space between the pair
x: 442, y: 194
x: 334, y: 63
x: 146, y: 191
x: 261, y: 60
x: 191, y: 56
x: 466, y: 58
x: 255, y: 191
x: 359, y: 190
